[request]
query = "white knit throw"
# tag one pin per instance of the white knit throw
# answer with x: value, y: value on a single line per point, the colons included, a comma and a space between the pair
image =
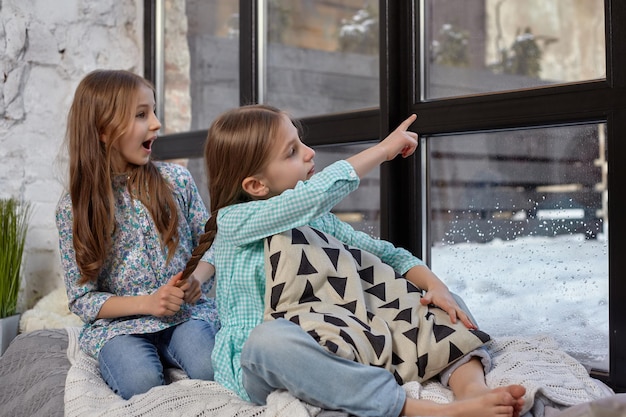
x: 86, y: 394
x: 551, y: 377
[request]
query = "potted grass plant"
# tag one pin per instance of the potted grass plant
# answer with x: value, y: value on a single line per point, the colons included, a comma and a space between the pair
x: 14, y: 219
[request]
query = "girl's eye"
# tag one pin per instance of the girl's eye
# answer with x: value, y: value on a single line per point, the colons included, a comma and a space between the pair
x: 141, y: 115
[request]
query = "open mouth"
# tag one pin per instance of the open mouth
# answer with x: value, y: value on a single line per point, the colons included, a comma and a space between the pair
x: 147, y: 144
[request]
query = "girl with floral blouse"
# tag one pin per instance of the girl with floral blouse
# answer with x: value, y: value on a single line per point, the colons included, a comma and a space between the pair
x: 127, y: 228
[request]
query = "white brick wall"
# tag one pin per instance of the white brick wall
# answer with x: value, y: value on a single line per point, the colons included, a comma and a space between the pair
x: 46, y: 47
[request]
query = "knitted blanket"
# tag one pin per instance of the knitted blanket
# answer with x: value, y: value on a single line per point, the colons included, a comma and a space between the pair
x: 553, y: 380
x: 87, y: 394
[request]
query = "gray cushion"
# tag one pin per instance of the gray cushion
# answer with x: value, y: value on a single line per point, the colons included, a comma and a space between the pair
x: 32, y: 374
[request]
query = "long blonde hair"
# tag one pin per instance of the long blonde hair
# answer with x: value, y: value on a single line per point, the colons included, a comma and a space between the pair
x: 104, y: 104
x: 238, y: 145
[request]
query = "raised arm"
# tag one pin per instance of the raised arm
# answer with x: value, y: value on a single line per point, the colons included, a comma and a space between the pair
x: 400, y: 141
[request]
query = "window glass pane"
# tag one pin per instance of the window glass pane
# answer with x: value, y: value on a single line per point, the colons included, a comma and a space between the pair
x: 361, y: 208
x: 478, y: 46
x: 322, y: 55
x: 518, y: 229
x: 201, y: 62
x: 196, y: 168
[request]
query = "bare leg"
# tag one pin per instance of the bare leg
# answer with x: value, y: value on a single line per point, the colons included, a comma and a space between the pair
x: 468, y: 381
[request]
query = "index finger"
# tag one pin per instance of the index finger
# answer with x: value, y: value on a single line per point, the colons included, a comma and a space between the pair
x: 466, y: 320
x: 408, y: 122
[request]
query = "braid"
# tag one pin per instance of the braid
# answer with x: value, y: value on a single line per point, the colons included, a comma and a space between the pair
x: 206, y: 240
x: 238, y: 144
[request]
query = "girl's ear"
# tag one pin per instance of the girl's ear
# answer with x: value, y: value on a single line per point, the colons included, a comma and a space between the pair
x: 103, y: 138
x: 254, y: 187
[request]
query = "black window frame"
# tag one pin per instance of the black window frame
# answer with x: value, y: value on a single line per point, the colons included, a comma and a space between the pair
x: 400, y: 37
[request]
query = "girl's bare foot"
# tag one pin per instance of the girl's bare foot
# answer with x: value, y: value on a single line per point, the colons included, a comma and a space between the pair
x: 500, y: 402
x: 475, y: 390
x: 517, y: 392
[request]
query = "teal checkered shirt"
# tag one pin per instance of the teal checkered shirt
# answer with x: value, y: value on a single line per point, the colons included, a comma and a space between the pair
x: 239, y: 256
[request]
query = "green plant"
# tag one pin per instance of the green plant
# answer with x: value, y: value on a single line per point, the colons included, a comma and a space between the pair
x: 14, y: 218
x: 523, y: 57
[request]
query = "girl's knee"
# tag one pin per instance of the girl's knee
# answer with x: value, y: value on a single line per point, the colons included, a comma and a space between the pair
x: 270, y: 335
x: 131, y: 382
x: 201, y: 368
x: 141, y: 382
x: 130, y: 365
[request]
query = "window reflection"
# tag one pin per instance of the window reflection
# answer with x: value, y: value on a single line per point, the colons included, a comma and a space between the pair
x: 518, y: 228
x: 478, y: 46
x: 201, y: 62
x: 360, y: 208
x: 322, y: 56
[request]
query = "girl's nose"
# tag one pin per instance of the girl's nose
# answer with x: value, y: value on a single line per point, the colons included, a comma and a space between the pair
x: 156, y: 124
x: 310, y: 153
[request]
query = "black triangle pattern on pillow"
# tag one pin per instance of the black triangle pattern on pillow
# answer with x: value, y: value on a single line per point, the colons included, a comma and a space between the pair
x: 359, y: 308
x: 367, y: 274
x: 308, y: 296
x: 361, y: 323
x: 297, y: 237
x: 333, y: 255
x: 305, y: 266
x: 277, y: 290
x: 351, y: 306
x: 274, y: 262
x: 339, y: 284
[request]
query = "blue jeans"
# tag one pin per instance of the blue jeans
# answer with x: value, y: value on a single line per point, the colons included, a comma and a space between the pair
x: 132, y: 364
x: 280, y: 355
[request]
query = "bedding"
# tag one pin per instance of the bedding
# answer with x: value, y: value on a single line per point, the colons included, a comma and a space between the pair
x: 43, y: 373
x: 33, y: 370
x: 37, y: 378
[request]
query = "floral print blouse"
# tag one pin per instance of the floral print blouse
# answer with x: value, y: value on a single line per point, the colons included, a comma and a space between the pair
x: 136, y: 264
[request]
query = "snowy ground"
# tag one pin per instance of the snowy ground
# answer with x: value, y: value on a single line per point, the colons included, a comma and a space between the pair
x: 556, y: 286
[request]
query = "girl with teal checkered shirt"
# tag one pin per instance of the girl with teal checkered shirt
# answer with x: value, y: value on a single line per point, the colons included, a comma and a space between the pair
x: 127, y: 228
x: 262, y: 181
